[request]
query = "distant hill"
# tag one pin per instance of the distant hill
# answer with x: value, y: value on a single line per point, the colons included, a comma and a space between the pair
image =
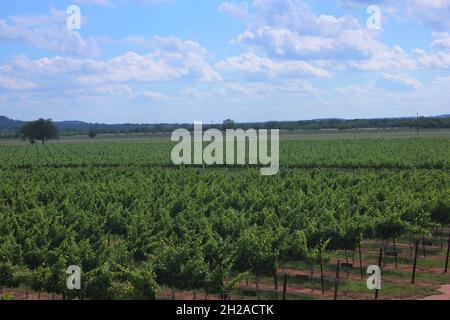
x: 7, y: 124
x: 9, y: 127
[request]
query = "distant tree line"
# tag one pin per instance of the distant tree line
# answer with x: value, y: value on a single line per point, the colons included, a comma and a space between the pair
x: 76, y: 127
x: 336, y: 124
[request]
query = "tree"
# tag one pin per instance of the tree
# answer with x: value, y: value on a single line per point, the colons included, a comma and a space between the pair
x: 23, y: 276
x: 92, y: 134
x: 98, y: 284
x: 258, y: 251
x: 39, y: 279
x: 6, y: 275
x: 389, y: 226
x: 133, y: 283
x: 41, y: 130
x: 441, y: 213
x: 220, y: 256
x: 56, y: 280
x: 228, y: 124
x: 144, y: 283
x: 168, y: 268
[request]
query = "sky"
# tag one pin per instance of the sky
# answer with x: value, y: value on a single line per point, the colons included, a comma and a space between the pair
x: 169, y: 61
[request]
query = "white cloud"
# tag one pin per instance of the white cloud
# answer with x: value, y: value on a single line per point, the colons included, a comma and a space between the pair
x: 289, y: 30
x: 438, y: 60
x: 101, y: 90
x: 188, y: 55
x: 195, y: 94
x: 352, y: 89
x: 433, y: 13
x: 252, y: 64
x: 441, y: 40
x: 397, y: 82
x: 360, y: 3
x: 94, y: 2
x: 252, y: 90
x: 131, y: 67
x: 438, y: 56
x: 155, y: 1
x: 151, y: 95
x: 297, y: 16
x: 238, y: 11
x: 116, y: 91
x: 265, y: 89
x: 387, y: 83
x: 394, y: 58
x: 13, y: 83
x: 48, y: 32
x: 170, y: 59
x: 104, y: 3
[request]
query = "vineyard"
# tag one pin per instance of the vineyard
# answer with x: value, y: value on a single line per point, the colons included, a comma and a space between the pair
x: 141, y: 228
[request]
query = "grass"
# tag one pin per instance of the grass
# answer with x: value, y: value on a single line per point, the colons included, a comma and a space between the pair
x: 7, y: 296
x: 390, y: 289
x: 270, y: 295
x: 437, y: 279
x: 395, y: 282
x: 359, y: 287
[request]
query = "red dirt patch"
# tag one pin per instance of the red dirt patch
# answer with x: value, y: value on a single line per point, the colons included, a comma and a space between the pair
x: 445, y: 290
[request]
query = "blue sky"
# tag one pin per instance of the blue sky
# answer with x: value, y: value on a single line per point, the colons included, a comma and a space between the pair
x: 188, y: 60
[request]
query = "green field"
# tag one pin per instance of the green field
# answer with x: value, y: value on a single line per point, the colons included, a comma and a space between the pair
x: 138, y: 225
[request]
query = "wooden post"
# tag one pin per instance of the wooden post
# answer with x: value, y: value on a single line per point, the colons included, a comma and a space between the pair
x: 336, y: 282
x: 257, y: 286
x: 423, y: 247
x: 321, y: 274
x: 410, y: 246
x: 395, y: 254
x: 415, y: 262
x: 275, y: 279
x: 276, y: 265
x: 346, y: 261
x: 380, y: 261
x: 360, y: 259
x: 284, y: 286
x: 448, y: 253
